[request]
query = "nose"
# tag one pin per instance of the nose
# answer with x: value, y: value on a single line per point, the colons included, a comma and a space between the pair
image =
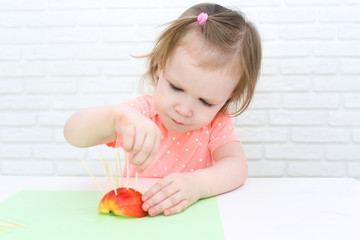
x: 184, y: 109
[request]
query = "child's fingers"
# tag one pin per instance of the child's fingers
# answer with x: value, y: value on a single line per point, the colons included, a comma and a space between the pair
x: 138, y: 142
x: 167, y: 203
x: 162, y: 200
x: 158, y: 186
x: 128, y: 138
x: 181, y: 206
x: 140, y: 158
x: 151, y: 146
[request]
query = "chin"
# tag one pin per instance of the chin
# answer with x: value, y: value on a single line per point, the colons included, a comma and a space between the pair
x: 175, y: 129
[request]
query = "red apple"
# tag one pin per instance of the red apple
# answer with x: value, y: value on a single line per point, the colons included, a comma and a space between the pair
x: 127, y: 202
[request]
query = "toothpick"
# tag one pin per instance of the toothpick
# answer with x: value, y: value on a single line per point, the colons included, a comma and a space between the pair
x: 103, y: 164
x: 136, y: 179
x: 7, y: 225
x: 4, y: 230
x: 92, y: 176
x: 121, y: 178
x: 11, y: 222
x: 127, y: 170
x: 112, y: 177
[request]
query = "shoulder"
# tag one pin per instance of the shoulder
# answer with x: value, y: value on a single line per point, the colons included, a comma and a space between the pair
x: 143, y: 100
x: 144, y: 104
x: 222, y: 121
x: 222, y: 131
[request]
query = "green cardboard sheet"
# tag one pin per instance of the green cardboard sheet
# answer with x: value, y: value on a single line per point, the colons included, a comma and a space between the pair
x: 73, y: 215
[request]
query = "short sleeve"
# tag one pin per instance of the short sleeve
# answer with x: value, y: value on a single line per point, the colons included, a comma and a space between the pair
x: 143, y: 104
x: 222, y: 132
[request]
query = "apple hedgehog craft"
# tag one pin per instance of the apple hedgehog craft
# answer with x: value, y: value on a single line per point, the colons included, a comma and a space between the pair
x: 123, y: 201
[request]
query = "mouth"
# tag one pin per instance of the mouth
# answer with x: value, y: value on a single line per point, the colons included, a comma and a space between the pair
x: 176, y: 122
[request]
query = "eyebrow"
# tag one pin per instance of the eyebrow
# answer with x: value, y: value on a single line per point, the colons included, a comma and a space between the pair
x: 173, y: 81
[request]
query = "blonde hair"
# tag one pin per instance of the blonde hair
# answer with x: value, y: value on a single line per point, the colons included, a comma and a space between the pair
x: 226, y: 30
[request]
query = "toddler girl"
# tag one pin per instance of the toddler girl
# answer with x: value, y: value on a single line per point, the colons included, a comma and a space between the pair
x: 204, y: 69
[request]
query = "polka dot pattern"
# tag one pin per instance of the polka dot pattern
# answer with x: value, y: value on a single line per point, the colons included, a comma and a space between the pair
x: 182, y: 152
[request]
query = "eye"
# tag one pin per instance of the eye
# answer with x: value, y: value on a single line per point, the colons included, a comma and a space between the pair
x: 173, y: 87
x: 205, y: 102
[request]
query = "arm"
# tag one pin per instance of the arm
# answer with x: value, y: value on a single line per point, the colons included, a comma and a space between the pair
x: 99, y: 125
x: 229, y: 172
x: 176, y: 192
x: 91, y: 126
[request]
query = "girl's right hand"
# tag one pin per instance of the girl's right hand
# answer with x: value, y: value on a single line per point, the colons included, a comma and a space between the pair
x: 141, y: 136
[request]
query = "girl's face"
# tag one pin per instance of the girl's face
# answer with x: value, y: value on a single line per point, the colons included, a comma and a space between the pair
x: 193, y: 88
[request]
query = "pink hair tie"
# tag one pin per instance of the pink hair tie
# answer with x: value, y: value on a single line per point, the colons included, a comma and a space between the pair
x: 202, y: 18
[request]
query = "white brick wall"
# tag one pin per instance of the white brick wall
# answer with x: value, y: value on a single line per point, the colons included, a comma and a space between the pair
x: 58, y: 56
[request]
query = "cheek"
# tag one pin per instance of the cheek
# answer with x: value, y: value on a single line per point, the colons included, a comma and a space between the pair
x: 157, y: 99
x: 161, y: 96
x: 205, y: 115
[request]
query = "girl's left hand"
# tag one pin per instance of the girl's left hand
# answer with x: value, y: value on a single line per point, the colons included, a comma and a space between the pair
x: 171, y: 195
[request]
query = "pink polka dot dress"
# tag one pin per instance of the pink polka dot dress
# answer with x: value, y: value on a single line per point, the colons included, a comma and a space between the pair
x: 181, y: 152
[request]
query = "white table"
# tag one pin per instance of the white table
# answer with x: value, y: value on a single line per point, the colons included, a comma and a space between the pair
x: 264, y: 208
